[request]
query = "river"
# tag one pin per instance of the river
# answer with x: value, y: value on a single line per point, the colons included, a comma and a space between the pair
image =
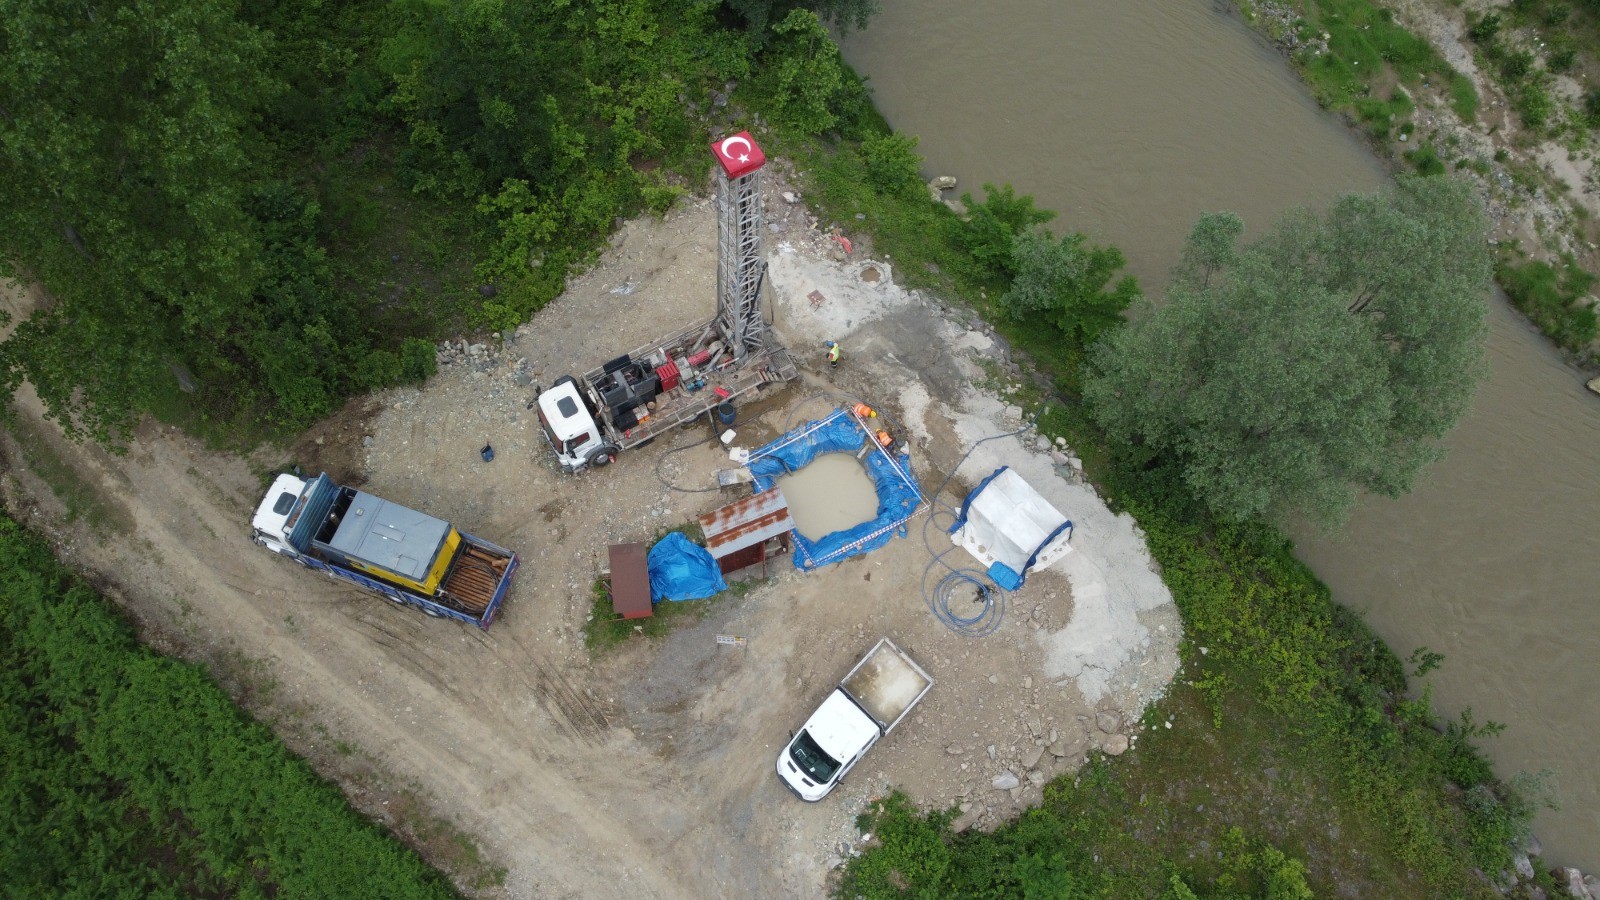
x: 1130, y: 118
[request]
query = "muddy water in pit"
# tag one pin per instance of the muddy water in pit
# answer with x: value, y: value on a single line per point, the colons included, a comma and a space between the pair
x: 831, y: 494
x: 1131, y: 117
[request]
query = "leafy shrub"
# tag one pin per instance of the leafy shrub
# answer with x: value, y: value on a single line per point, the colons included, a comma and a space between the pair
x: 1516, y: 64
x: 1591, y: 108
x: 992, y: 226
x: 131, y: 774
x: 911, y: 850
x: 1484, y: 29
x: 1425, y: 160
x: 1562, y: 58
x: 1064, y: 282
x: 893, y: 165
x: 1534, y: 105
x: 417, y: 361
x: 377, y: 369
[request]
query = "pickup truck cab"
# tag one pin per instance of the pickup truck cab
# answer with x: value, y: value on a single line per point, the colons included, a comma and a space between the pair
x: 870, y: 701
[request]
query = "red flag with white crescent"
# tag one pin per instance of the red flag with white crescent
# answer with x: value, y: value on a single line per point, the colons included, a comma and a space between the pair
x: 738, y: 154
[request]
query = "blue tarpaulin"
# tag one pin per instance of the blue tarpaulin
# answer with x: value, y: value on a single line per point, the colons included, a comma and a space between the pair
x: 899, y: 498
x: 682, y: 570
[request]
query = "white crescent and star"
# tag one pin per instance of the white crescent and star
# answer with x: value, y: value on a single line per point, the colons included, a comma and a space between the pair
x: 736, y: 139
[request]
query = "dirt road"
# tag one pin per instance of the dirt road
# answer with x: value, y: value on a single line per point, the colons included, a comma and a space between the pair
x: 647, y: 772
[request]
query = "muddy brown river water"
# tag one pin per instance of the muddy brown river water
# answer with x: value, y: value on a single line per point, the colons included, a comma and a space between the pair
x: 1130, y: 118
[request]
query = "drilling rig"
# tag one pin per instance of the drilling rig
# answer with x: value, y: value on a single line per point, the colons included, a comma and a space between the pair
x: 695, y: 371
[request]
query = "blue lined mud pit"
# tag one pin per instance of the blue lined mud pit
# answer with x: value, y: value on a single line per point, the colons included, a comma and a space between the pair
x: 899, y: 498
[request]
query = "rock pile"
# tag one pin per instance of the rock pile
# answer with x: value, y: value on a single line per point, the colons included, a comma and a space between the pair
x: 1020, y: 771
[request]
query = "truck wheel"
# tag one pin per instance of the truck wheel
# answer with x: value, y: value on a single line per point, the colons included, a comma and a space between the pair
x: 601, y: 457
x: 432, y: 612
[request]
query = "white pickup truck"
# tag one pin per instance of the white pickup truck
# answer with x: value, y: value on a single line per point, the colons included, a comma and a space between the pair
x: 867, y: 704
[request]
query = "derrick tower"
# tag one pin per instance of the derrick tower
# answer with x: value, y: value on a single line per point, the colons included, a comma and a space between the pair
x: 740, y: 266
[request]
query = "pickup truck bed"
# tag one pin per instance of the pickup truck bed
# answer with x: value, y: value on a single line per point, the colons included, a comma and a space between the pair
x: 886, y: 684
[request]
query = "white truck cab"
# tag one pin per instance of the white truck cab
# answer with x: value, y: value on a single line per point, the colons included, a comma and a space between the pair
x: 569, y: 425
x: 867, y: 704
x: 270, y: 526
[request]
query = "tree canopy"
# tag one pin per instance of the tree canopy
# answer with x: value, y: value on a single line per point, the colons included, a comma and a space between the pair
x: 1329, y: 357
x: 1064, y: 281
x: 121, y: 136
x: 275, y: 204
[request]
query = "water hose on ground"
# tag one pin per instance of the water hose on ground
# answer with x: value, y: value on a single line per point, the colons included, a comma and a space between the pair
x: 967, y: 582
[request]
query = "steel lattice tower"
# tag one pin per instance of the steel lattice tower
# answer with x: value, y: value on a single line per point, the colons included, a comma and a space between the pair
x: 740, y: 266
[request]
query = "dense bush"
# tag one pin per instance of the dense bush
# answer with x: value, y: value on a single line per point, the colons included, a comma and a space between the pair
x: 131, y: 774
x: 990, y: 232
x: 1553, y: 297
x: 893, y: 165
x: 1065, y: 283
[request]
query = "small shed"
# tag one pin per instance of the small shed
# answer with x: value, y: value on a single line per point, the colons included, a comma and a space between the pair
x: 629, y: 581
x: 749, y: 532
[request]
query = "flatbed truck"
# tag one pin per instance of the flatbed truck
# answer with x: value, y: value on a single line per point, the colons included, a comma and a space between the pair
x: 402, y: 555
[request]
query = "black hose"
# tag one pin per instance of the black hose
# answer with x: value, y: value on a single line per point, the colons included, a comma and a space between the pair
x: 663, y: 479
x: 944, y: 591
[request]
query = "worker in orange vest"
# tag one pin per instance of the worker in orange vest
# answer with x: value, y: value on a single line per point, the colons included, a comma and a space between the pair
x: 834, y: 352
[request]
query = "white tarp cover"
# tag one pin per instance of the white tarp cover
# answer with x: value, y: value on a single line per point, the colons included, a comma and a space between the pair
x: 1007, y: 520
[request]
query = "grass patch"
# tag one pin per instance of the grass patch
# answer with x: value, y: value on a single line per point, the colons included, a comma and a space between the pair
x: 922, y: 237
x: 1552, y: 296
x: 1463, y: 97
x: 606, y: 629
x: 1364, y: 46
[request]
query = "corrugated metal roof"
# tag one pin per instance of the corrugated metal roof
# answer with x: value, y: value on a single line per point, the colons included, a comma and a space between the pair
x: 747, y: 522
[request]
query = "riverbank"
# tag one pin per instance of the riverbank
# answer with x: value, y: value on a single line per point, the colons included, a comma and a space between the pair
x: 1284, y: 695
x: 1504, y: 106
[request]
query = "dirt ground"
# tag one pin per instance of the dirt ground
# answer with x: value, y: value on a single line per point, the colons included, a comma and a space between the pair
x: 646, y: 772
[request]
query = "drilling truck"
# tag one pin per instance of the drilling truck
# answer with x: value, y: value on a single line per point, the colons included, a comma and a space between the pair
x: 399, y: 554
x: 632, y: 399
x: 635, y: 397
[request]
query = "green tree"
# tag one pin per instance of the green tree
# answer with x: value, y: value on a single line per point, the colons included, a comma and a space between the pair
x: 1327, y: 358
x: 124, y: 163
x: 991, y: 229
x: 1211, y: 247
x: 760, y: 15
x: 1064, y: 280
x: 805, y: 80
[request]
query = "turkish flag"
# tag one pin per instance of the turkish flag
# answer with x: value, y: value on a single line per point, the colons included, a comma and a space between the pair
x: 738, y: 154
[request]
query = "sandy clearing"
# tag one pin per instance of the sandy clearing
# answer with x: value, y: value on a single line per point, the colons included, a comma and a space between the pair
x: 646, y: 772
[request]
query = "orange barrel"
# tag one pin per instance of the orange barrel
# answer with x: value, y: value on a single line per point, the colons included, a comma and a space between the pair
x: 865, y: 411
x: 884, y: 439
